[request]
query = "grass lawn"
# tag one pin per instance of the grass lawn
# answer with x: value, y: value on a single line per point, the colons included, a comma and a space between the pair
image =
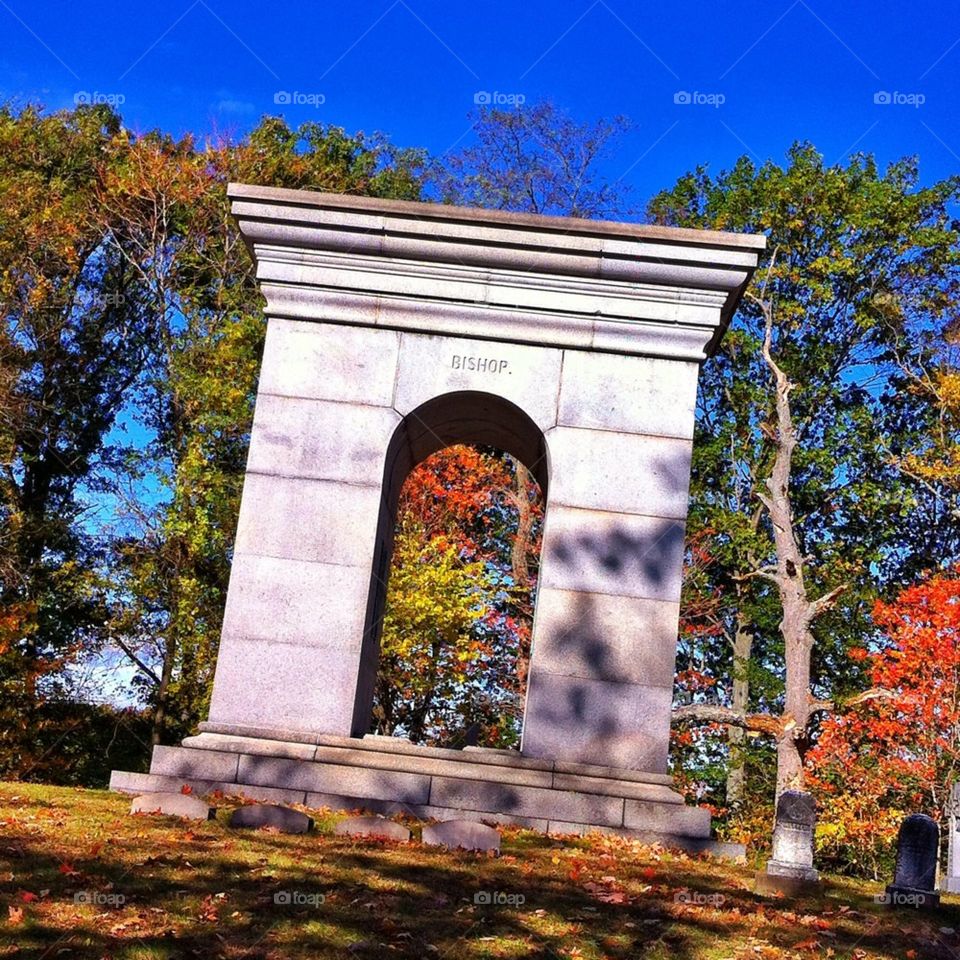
x: 169, y: 889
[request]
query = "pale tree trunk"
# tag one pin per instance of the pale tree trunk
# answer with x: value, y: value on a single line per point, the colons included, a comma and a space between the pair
x: 740, y: 701
x: 799, y: 612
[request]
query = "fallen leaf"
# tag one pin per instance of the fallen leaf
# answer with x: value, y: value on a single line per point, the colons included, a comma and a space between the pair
x: 15, y: 915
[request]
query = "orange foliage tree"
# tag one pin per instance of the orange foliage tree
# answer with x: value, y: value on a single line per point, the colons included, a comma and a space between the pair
x: 897, y: 749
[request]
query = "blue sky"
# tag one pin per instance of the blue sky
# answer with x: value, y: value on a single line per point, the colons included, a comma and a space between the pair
x: 765, y: 74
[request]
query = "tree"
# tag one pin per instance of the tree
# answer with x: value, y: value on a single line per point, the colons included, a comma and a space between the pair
x: 899, y: 749
x: 808, y: 507
x: 459, y: 613
x: 77, y: 337
x: 534, y: 159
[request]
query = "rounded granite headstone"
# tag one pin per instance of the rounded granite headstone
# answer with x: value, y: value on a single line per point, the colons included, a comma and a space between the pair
x: 371, y: 827
x: 918, y: 844
x: 462, y: 834
x: 174, y: 805
x: 258, y: 815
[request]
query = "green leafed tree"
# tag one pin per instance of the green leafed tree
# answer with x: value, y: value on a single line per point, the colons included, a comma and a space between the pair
x: 801, y: 418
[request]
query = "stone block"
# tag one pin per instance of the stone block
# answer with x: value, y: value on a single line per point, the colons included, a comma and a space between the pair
x: 578, y: 720
x: 605, y: 637
x: 654, y: 792
x: 323, y: 521
x: 372, y: 827
x: 380, y: 808
x: 174, y: 805
x: 615, y: 773
x: 462, y: 835
x: 235, y: 744
x: 645, y: 395
x: 257, y: 816
x: 323, y: 361
x: 292, y: 686
x: 526, y: 376
x: 320, y: 439
x: 592, y: 551
x: 193, y: 764
x: 619, y: 472
x: 667, y: 818
x: 335, y: 779
x: 297, y: 602
x: 525, y: 801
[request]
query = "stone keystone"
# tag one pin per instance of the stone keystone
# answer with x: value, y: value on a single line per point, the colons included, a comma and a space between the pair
x: 257, y: 815
x: 371, y: 827
x: 174, y: 805
x: 462, y: 834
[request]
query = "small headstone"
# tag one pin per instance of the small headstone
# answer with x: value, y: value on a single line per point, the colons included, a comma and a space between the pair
x: 371, y: 827
x: 790, y: 870
x: 952, y: 882
x: 174, y: 805
x: 258, y: 815
x: 462, y: 834
x: 915, y: 876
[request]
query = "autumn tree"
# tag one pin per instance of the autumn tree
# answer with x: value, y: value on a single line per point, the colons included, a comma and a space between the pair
x: 898, y: 750
x: 77, y: 337
x: 789, y: 466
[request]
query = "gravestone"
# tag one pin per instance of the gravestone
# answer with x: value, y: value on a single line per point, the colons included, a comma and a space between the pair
x: 462, y: 835
x: 395, y: 329
x: 915, y: 876
x: 790, y: 870
x: 256, y: 816
x: 181, y: 805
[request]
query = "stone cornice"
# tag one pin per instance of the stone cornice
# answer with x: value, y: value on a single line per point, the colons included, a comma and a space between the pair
x: 584, y: 284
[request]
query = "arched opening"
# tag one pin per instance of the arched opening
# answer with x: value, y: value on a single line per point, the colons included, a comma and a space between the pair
x: 452, y: 590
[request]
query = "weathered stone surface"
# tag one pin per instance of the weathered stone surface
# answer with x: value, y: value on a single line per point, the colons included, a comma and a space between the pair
x: 283, y: 601
x: 619, y: 472
x: 603, y: 637
x: 645, y: 395
x: 371, y: 827
x: 526, y: 376
x: 188, y: 764
x: 234, y: 744
x: 325, y: 361
x: 462, y: 834
x: 319, y: 439
x: 174, y: 805
x: 790, y: 870
x: 579, y: 720
x: 593, y: 551
x: 325, y: 521
x: 259, y: 815
x: 335, y: 779
x: 526, y: 801
x: 675, y: 819
x: 294, y: 686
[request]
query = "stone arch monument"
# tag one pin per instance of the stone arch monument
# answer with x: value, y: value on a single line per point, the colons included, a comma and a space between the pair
x: 398, y: 328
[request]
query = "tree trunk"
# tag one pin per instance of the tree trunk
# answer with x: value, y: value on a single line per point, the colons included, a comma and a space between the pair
x: 740, y: 701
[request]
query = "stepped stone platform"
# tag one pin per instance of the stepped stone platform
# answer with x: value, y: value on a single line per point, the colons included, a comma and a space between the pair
x: 386, y: 775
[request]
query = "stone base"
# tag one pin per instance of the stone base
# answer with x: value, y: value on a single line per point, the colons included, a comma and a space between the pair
x: 951, y: 884
x: 912, y: 899
x: 787, y: 879
x: 385, y: 775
